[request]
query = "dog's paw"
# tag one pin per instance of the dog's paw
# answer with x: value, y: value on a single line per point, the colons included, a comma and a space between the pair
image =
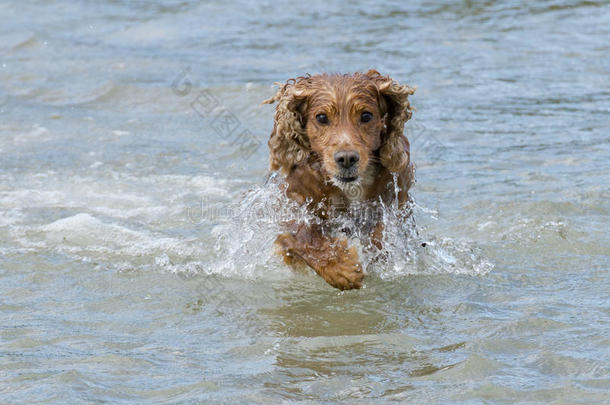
x: 346, y: 272
x: 337, y: 264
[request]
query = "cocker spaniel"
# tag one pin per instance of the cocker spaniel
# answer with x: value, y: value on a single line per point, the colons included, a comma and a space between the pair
x: 338, y: 140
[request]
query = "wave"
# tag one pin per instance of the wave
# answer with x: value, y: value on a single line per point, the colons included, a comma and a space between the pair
x: 217, y: 237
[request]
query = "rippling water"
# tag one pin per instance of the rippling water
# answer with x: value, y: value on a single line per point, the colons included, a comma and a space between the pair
x: 135, y: 265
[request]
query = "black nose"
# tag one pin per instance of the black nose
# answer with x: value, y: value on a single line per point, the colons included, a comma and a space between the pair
x: 346, y: 159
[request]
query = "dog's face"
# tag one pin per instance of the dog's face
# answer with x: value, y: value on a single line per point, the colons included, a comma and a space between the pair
x: 352, y: 122
x: 344, y: 123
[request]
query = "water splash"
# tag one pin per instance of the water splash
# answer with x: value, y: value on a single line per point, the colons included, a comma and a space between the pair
x: 241, y: 244
x: 245, y: 244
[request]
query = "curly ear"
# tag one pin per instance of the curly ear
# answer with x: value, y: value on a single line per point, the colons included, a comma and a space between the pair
x: 288, y: 144
x: 394, y: 152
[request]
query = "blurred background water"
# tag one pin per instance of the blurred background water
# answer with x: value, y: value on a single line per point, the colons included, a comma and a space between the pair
x: 132, y: 269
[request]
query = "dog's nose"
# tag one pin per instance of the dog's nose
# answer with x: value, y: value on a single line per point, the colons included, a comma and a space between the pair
x: 347, y: 158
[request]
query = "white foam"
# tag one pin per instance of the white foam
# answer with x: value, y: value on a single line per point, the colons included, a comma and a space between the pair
x: 118, y: 132
x: 86, y: 235
x: 10, y: 217
x: 30, y: 198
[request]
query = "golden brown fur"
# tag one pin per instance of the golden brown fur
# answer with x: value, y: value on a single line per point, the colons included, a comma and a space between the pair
x: 337, y: 139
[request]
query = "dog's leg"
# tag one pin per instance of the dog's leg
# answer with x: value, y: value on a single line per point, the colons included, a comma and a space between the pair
x: 331, y: 258
x: 376, y: 237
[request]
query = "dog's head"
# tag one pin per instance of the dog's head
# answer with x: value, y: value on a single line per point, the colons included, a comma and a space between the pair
x: 349, y: 121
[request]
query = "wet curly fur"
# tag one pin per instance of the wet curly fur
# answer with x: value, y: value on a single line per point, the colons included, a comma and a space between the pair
x: 333, y: 133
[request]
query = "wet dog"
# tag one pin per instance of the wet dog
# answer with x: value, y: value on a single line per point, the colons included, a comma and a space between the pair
x: 338, y: 140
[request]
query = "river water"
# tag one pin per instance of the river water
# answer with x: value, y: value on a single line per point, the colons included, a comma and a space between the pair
x: 136, y: 260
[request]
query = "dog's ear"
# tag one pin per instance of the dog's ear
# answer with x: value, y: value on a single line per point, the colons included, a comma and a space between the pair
x: 394, y: 152
x: 288, y: 144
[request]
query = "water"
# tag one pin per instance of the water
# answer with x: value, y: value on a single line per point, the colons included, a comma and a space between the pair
x: 136, y: 265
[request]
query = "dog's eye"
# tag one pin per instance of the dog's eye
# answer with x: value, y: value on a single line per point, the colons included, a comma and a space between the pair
x: 322, y: 118
x: 366, y: 116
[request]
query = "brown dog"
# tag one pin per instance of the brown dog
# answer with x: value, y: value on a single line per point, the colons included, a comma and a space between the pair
x: 339, y: 139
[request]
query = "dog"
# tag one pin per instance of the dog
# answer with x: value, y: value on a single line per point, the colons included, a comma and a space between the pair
x: 338, y: 140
